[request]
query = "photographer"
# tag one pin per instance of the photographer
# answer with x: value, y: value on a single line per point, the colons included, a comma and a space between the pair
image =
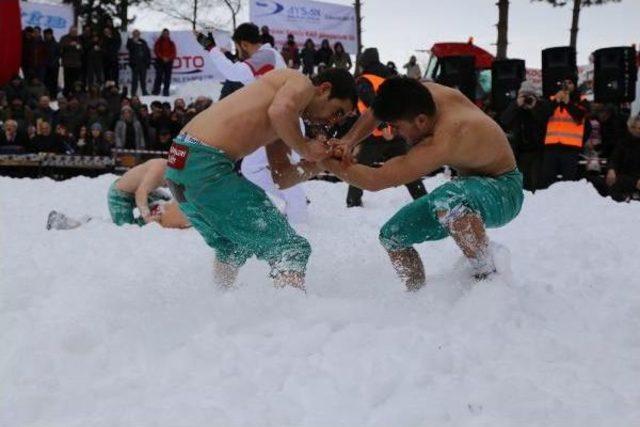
x: 524, y: 122
x: 565, y: 132
x: 622, y: 180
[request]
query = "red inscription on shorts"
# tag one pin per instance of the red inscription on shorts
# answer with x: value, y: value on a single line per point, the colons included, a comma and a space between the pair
x: 177, y: 156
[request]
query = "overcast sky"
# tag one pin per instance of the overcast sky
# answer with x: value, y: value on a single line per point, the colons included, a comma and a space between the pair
x: 399, y: 27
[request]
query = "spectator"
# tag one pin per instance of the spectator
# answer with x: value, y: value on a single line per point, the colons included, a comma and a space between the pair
x: 17, y: 89
x: 308, y: 57
x: 341, y: 59
x: 12, y: 141
x: 52, y: 64
x: 623, y: 171
x: 164, y: 139
x: 324, y: 55
x: 98, y: 145
x: 95, y: 61
x: 392, y: 68
x: 179, y: 104
x: 44, y: 111
x: 165, y: 51
x: 71, y: 52
x: 128, y: 130
x: 413, y: 69
x: 290, y: 53
x: 35, y: 89
x: 104, y: 115
x: 77, y: 90
x: 113, y: 97
x: 82, y: 142
x: 86, y: 40
x: 110, y: 139
x: 74, y: 117
x: 44, y: 141
x: 139, y: 61
x: 524, y: 122
x: 64, y: 140
x: 28, y: 48
x: 565, y: 114
x: 20, y: 113
x: 202, y: 103
x: 369, y: 62
x: 143, y: 117
x: 265, y: 37
x: 111, y: 43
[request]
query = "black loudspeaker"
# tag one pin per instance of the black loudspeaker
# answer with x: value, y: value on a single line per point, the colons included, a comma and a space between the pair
x: 459, y: 72
x: 506, y: 77
x: 558, y: 64
x: 615, y: 74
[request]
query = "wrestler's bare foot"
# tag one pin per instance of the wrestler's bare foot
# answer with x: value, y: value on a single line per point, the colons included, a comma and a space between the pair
x: 224, y: 274
x: 289, y: 278
x: 469, y: 234
x: 409, y: 267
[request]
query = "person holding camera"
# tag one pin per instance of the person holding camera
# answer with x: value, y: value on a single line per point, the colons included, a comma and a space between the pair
x: 565, y: 112
x: 524, y: 122
x: 622, y: 181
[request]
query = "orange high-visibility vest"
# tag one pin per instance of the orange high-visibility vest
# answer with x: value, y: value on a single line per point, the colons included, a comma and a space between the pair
x: 375, y: 81
x: 563, y: 130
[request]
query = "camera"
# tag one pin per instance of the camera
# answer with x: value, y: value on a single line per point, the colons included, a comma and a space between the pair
x: 529, y: 100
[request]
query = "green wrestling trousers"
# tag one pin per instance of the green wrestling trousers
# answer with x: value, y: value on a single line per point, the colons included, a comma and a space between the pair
x: 234, y: 216
x: 497, y: 200
x: 121, y: 205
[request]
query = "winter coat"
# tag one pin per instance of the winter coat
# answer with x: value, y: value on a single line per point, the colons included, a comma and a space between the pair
x: 121, y: 134
x: 342, y: 60
x: 71, y: 51
x: 324, y: 55
x: 139, y: 54
x: 165, y: 48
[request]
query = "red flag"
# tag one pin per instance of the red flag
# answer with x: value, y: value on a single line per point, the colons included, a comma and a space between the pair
x: 11, y: 40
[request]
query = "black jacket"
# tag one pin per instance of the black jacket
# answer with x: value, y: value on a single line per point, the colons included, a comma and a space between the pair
x: 139, y: 54
x: 625, y: 159
x: 524, y: 127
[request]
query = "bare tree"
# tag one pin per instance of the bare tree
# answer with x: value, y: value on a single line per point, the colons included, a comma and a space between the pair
x: 503, y: 28
x: 198, y: 13
x: 577, y: 6
x: 234, y: 7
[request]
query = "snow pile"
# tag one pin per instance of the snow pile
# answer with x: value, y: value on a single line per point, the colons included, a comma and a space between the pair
x: 121, y: 326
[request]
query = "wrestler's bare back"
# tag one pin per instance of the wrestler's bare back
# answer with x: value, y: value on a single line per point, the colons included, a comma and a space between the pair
x: 475, y: 144
x: 239, y: 124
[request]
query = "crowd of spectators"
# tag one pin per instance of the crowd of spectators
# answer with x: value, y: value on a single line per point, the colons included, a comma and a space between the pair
x: 96, y: 114
x: 565, y: 138
x: 89, y: 122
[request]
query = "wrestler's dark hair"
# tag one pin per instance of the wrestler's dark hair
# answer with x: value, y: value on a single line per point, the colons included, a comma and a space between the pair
x: 402, y: 98
x: 247, y: 32
x: 343, y: 85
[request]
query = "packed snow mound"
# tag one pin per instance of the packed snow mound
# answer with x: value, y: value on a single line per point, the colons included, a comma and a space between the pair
x: 122, y: 326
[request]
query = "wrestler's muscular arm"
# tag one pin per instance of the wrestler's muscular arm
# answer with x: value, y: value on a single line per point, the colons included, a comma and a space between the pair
x: 285, y: 110
x: 422, y: 159
x: 284, y: 173
x: 152, y: 179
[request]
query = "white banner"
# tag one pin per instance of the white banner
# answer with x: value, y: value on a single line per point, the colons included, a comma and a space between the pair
x: 57, y: 17
x: 306, y: 19
x: 192, y: 62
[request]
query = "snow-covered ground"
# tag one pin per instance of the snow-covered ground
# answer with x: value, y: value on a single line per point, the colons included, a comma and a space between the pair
x: 121, y: 326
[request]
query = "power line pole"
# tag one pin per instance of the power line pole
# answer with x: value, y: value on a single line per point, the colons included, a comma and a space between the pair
x: 358, y: 7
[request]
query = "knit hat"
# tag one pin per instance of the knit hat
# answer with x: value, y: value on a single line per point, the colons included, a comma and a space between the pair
x: 96, y: 126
